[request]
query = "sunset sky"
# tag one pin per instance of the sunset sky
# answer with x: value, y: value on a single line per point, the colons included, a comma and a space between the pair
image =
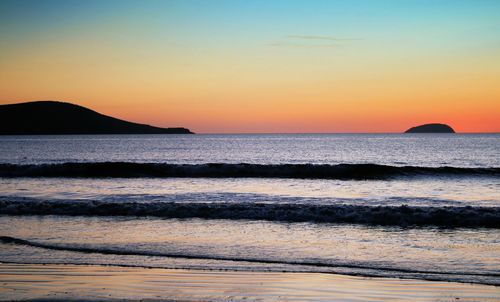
x: 260, y: 66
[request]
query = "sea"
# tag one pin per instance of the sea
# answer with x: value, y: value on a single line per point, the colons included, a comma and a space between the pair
x: 420, y: 206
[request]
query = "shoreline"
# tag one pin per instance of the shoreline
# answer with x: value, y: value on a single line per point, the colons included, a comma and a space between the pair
x: 48, y: 282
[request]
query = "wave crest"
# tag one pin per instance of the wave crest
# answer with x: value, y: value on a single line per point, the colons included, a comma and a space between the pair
x: 226, y: 170
x: 404, y: 215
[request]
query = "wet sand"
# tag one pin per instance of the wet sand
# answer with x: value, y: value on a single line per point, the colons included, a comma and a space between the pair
x: 83, y: 283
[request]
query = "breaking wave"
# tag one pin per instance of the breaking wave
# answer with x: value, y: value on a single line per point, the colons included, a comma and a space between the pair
x: 225, y: 170
x: 447, y: 216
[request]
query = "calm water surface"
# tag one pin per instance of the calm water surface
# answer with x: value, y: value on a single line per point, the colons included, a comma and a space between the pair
x: 458, y: 150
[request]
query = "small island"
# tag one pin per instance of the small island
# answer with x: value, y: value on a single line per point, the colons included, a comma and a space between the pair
x: 431, y: 128
x: 51, y: 117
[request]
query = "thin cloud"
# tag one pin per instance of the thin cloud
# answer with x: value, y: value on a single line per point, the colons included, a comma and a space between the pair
x: 290, y: 44
x: 311, y: 41
x: 323, y: 38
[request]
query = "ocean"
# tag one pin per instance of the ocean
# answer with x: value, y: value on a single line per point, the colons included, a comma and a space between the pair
x: 423, y: 206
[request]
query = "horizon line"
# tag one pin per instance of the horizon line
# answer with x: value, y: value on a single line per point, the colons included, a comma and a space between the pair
x: 340, y: 133
x: 112, y: 115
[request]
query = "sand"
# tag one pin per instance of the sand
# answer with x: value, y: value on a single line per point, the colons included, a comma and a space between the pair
x: 83, y: 283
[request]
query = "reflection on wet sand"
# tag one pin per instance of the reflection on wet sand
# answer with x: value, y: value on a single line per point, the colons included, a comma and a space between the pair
x: 39, y: 282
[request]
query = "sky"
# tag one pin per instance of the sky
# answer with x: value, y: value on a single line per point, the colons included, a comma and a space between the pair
x: 260, y: 66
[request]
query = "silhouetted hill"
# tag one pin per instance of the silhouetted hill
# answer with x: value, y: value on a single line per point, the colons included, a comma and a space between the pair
x: 50, y: 117
x: 431, y: 128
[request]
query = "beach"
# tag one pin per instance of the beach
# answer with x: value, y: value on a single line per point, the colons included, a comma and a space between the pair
x: 94, y: 283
